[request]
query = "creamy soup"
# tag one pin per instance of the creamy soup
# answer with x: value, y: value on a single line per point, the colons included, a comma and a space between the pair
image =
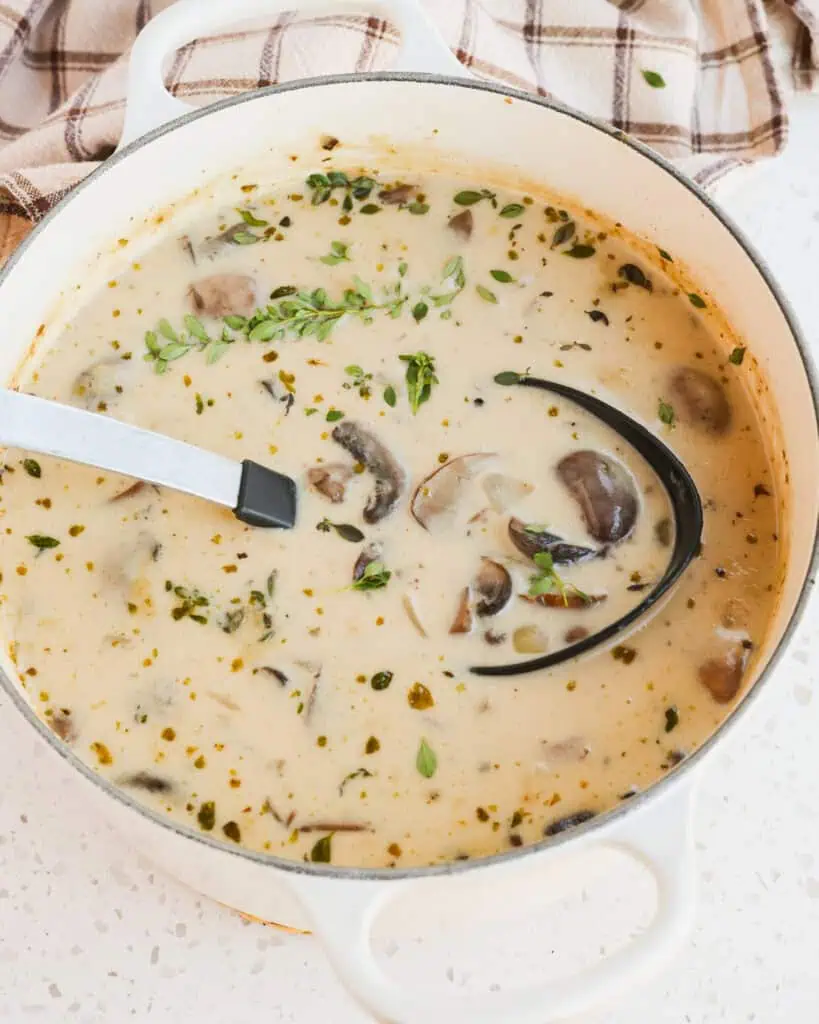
x: 309, y: 692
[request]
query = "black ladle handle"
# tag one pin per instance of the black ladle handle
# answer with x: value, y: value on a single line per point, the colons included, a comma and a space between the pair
x: 685, y: 503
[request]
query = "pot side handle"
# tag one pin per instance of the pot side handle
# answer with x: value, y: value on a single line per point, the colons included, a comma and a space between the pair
x: 148, y: 103
x: 343, y: 913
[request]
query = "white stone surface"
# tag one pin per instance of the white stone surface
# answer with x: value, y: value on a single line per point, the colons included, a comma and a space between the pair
x: 90, y: 932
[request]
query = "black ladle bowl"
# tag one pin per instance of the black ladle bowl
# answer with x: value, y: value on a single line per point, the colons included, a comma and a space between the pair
x: 685, y: 503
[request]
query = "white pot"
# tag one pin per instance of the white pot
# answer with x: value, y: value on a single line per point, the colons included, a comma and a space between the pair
x: 171, y: 151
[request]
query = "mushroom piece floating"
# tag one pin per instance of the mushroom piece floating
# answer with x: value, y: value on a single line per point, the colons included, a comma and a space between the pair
x: 437, y: 497
x: 462, y: 224
x: 532, y: 540
x: 700, y: 400
x: 722, y: 675
x: 330, y: 480
x: 371, y: 553
x: 100, y: 384
x: 390, y: 478
x: 488, y: 595
x: 223, y: 294
x: 397, y: 195
x: 570, y: 599
x: 605, y: 492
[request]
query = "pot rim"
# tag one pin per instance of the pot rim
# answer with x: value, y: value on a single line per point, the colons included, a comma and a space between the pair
x: 662, y: 786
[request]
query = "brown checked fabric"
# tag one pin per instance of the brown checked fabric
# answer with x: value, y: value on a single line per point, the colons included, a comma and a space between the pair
x: 695, y: 79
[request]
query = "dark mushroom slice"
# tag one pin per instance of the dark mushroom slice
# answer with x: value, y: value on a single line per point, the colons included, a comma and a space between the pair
x: 572, y: 600
x: 397, y: 195
x: 605, y: 492
x: 722, y: 675
x: 372, y: 553
x: 146, y: 780
x: 222, y: 294
x: 462, y: 225
x: 462, y: 623
x: 700, y: 400
x: 493, y: 585
x: 330, y: 480
x: 438, y: 494
x: 531, y: 542
x: 101, y: 383
x: 569, y: 821
x: 390, y: 478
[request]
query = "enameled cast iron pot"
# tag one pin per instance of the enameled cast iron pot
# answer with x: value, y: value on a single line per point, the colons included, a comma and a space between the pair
x: 167, y: 151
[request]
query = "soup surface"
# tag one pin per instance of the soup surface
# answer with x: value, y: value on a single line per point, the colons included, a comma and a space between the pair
x: 308, y: 692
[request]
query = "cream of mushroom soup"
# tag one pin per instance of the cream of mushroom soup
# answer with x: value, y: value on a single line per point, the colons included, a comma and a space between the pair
x: 309, y: 692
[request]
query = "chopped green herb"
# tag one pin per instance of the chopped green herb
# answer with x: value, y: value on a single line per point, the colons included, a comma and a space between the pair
x: 665, y: 255
x: 359, y: 773
x: 666, y: 413
x: 503, y: 276
x: 597, y: 316
x: 232, y: 831
x: 402, y: 268
x: 512, y: 210
x: 381, y: 680
x: 390, y: 396
x: 419, y: 311
x: 33, y: 468
x: 207, y: 815
x: 634, y: 275
x: 425, y: 760
x: 360, y: 381
x: 563, y: 233
x: 322, y: 850
x: 469, y: 197
x: 736, y: 357
x: 624, y: 653
x: 339, y: 253
x: 334, y: 415
x: 420, y: 378
x: 375, y: 576
x: 580, y: 252
x: 370, y: 208
x: 200, y: 404
x: 672, y: 718
x: 547, y: 580
x: 485, y: 293
x: 250, y: 219
x: 418, y: 208
x: 653, y: 78
x: 244, y: 238
x: 507, y: 377
x: 344, y: 530
x: 42, y: 542
x: 696, y: 300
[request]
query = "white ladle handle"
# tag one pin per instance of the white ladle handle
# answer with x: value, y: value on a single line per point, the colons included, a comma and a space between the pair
x: 149, y: 104
x: 49, y: 428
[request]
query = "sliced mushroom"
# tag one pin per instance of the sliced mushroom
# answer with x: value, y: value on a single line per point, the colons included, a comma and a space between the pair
x: 412, y: 614
x: 700, y: 400
x: 493, y: 585
x: 397, y: 195
x: 462, y: 623
x: 571, y: 600
x: 575, y: 634
x: 722, y: 676
x: 146, y: 780
x: 101, y: 384
x: 437, y: 496
x: 462, y: 225
x: 530, y: 640
x: 223, y: 294
x: 62, y: 725
x: 567, y: 822
x: 605, y: 492
x: 531, y: 542
x: 372, y: 553
x: 330, y: 480
x: 390, y: 478
x: 504, y: 492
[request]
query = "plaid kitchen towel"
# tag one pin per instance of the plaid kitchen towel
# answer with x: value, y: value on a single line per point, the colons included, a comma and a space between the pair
x: 696, y: 79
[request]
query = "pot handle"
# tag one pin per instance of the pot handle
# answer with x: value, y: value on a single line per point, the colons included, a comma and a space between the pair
x: 148, y: 103
x: 343, y: 913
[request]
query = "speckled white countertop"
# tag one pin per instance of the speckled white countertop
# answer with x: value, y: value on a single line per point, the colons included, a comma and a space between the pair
x: 90, y: 932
